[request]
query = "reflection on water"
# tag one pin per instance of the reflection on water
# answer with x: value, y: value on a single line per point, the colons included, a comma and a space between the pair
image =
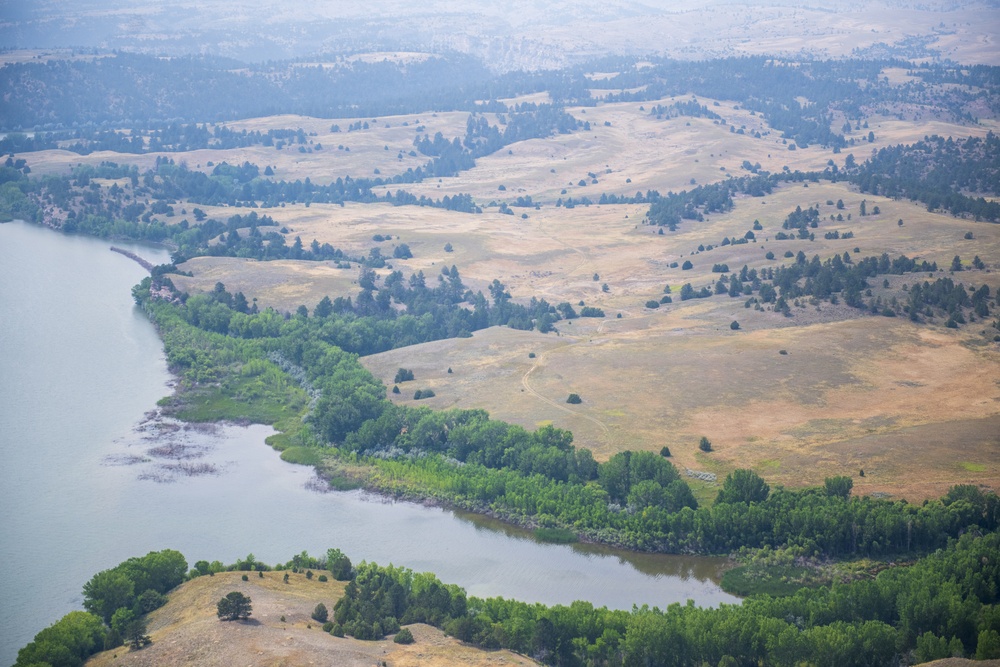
x: 703, y: 568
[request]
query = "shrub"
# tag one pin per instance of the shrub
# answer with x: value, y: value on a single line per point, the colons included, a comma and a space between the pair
x: 246, y: 578
x: 309, y: 574
x: 328, y: 626
x: 687, y: 265
x: 574, y: 399
x: 423, y: 393
x: 704, y: 444
x: 734, y: 325
x: 403, y: 375
x: 652, y: 303
x: 323, y: 578
x: 320, y: 613
x: 338, y: 630
x: 665, y: 451
x: 404, y: 636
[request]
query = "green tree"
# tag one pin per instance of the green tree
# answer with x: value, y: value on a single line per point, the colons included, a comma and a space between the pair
x: 234, y: 606
x: 988, y: 646
x: 404, y: 636
x: 67, y: 642
x: 705, y: 444
x: 131, y: 628
x: 839, y: 486
x: 106, y: 592
x: 320, y: 613
x: 338, y: 564
x: 743, y: 486
x: 324, y: 308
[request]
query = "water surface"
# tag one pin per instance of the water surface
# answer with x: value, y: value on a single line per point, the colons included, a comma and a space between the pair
x: 80, y: 490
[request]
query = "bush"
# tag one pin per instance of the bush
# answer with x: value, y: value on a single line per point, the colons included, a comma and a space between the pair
x: 320, y: 613
x: 323, y: 578
x: 574, y: 399
x: 328, y: 626
x: 734, y: 325
x: 338, y: 630
x: 652, y: 303
x: 403, y: 375
x: 704, y: 444
x: 404, y: 636
x: 665, y: 451
x: 246, y: 578
x: 687, y: 265
x: 423, y: 393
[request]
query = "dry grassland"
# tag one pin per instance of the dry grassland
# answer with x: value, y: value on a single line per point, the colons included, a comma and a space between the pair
x: 641, y: 152
x: 368, y: 148
x: 916, y: 407
x: 187, y: 632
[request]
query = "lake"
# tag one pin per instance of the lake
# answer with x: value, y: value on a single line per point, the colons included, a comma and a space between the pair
x: 87, y: 481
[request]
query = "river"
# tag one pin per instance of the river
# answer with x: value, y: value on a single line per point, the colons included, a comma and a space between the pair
x: 84, y: 485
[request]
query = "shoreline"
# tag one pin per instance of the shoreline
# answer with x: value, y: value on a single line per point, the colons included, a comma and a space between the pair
x: 144, y: 263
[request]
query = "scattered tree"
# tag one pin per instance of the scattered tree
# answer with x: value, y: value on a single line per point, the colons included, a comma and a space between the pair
x: 574, y: 399
x: 235, y: 606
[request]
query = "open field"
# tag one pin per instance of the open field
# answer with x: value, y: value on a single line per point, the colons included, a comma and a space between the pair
x: 385, y: 146
x: 916, y: 406
x: 636, y: 152
x: 555, y: 252
x: 186, y: 631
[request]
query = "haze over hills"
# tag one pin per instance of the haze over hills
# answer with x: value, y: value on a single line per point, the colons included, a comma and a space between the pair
x: 685, y: 278
x: 511, y: 35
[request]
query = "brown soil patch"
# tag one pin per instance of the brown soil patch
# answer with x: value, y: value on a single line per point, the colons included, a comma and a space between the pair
x: 187, y: 632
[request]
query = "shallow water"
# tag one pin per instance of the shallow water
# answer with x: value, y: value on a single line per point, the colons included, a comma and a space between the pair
x: 84, y: 485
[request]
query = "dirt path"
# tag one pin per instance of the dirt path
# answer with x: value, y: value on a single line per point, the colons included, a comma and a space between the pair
x: 554, y: 404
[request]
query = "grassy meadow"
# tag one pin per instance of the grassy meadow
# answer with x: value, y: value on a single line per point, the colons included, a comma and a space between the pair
x: 827, y: 391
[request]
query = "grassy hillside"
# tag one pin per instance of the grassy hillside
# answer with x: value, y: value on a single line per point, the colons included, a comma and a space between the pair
x: 280, y: 631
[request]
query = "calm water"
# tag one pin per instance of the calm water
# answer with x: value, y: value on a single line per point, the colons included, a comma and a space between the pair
x: 81, y: 491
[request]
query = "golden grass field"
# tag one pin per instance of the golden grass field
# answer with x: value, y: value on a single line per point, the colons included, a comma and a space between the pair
x: 187, y: 631
x: 917, y: 407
